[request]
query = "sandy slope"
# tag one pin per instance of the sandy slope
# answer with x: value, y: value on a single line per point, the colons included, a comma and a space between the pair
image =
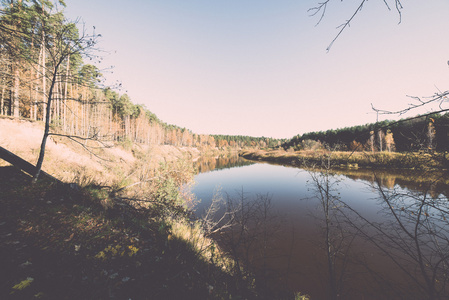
x: 65, y: 159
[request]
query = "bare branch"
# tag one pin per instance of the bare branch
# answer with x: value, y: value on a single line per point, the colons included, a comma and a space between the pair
x: 322, y: 7
x: 135, y: 183
x: 438, y: 98
x: 346, y: 24
x: 398, y: 9
x: 94, y: 137
x: 87, y: 148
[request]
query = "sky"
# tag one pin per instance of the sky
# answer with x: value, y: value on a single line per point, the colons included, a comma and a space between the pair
x: 261, y: 68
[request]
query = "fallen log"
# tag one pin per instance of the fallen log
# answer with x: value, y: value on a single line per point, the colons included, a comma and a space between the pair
x: 23, y: 165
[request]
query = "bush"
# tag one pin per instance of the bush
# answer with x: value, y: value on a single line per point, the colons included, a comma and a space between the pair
x: 311, y: 145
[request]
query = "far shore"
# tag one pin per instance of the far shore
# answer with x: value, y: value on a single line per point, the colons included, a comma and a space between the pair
x: 351, y: 160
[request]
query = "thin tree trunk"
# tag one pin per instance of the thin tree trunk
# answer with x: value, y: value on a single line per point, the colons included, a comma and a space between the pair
x: 40, y: 72
x: 44, y: 85
x: 32, y: 77
x: 110, y: 123
x: 64, y: 118
x: 15, y: 102
x: 36, y: 93
x: 47, y: 125
x: 76, y: 109
x: 31, y: 94
x: 57, y: 101
x: 72, y: 121
x: 380, y: 140
x: 2, y: 99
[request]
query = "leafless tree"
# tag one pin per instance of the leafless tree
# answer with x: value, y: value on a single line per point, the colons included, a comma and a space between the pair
x: 61, y: 43
x: 338, y: 240
x: 245, y: 227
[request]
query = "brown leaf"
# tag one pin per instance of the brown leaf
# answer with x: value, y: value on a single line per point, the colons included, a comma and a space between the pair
x: 70, y: 238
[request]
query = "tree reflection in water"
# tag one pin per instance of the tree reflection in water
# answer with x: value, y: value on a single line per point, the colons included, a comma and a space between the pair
x: 384, y: 237
x: 211, y: 163
x: 410, y: 234
x: 415, y: 238
x: 337, y: 240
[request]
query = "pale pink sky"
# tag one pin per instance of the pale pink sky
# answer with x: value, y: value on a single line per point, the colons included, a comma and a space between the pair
x: 260, y: 68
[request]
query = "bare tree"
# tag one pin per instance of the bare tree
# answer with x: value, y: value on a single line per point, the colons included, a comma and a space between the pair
x: 61, y: 42
x: 245, y: 227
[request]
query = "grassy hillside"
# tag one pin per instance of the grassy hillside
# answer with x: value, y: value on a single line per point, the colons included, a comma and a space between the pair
x: 123, y: 231
x: 57, y: 243
x: 69, y: 160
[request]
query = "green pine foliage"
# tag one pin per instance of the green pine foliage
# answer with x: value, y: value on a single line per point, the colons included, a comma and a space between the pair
x: 409, y: 134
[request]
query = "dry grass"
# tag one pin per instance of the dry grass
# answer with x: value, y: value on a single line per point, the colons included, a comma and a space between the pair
x: 71, y: 162
x: 206, y: 248
x: 346, y: 159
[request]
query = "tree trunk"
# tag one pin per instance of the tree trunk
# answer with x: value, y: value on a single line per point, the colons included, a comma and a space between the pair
x: 36, y: 93
x: 2, y: 99
x: 15, y: 102
x: 31, y: 95
x: 47, y: 126
x: 64, y: 113
x: 57, y: 101
x: 380, y: 133
x: 44, y: 85
x: 22, y: 164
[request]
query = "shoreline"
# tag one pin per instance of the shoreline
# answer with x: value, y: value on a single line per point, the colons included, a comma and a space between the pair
x: 351, y: 160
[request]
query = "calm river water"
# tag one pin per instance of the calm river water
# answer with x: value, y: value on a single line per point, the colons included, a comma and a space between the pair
x: 344, y: 235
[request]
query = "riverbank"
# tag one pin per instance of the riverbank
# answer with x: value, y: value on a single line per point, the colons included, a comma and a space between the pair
x: 62, y: 243
x: 116, y: 225
x: 351, y: 160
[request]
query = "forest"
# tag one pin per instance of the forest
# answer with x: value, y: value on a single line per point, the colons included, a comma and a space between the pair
x: 421, y: 133
x: 246, y: 141
x: 43, y: 60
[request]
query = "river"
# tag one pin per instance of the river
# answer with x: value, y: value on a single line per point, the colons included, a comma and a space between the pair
x: 355, y: 234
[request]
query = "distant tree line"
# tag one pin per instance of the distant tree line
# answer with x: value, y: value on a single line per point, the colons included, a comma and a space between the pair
x: 427, y: 132
x: 242, y: 141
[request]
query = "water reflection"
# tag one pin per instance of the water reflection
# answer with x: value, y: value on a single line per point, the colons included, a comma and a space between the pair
x: 355, y: 235
x: 211, y: 163
x: 434, y: 182
x: 406, y: 254
x: 246, y: 231
x: 337, y: 240
x: 414, y: 237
